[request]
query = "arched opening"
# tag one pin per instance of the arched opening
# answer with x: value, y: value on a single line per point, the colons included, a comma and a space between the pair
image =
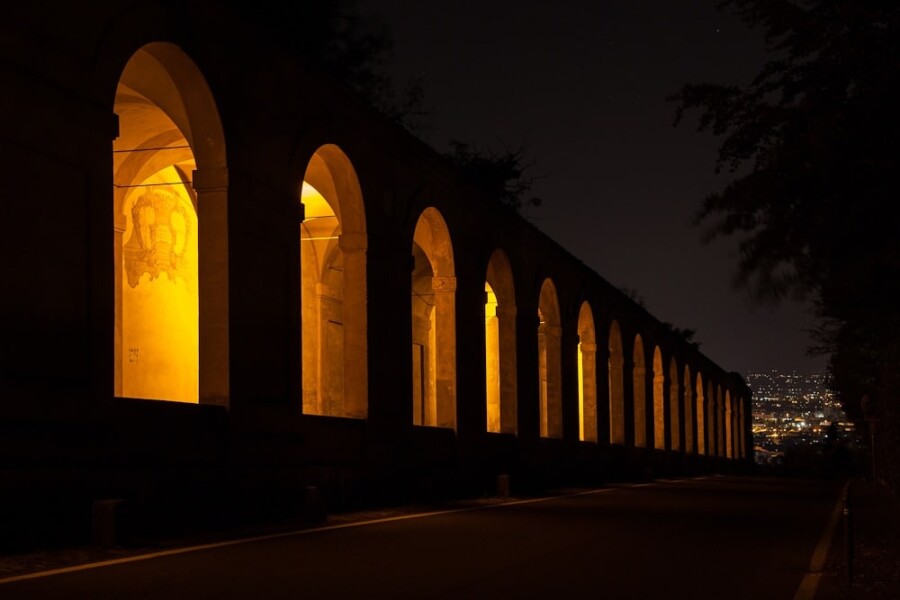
x: 639, y: 379
x: 550, y: 361
x: 170, y: 233
x: 333, y: 288
x: 433, y: 323
x: 500, y: 345
x: 659, y: 413
x: 674, y: 406
x: 701, y: 416
x: 688, y: 410
x: 729, y: 425
x: 616, y: 368
x: 587, y: 375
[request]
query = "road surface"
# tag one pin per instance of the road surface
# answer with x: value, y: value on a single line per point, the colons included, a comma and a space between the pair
x: 715, y: 537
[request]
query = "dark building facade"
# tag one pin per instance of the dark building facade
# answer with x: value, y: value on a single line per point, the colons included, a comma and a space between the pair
x: 228, y: 279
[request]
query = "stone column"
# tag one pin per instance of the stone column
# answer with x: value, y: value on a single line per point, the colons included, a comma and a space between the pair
x: 589, y: 390
x: 553, y: 335
x: 356, y: 364
x: 506, y: 317
x: 444, y: 289
x: 211, y: 186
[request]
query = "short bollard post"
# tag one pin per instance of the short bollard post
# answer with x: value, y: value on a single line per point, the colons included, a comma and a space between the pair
x: 106, y: 522
x: 503, y: 485
x: 848, y: 535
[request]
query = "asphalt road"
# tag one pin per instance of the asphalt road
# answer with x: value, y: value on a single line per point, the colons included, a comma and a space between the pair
x: 718, y: 537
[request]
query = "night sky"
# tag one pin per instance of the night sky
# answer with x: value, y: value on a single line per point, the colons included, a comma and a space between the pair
x: 583, y: 86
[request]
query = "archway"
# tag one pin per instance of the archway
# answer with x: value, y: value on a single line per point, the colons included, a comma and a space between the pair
x: 433, y: 323
x: 333, y: 287
x: 687, y: 381
x: 549, y: 361
x: 170, y: 233
x: 701, y: 416
x: 500, y: 345
x: 616, y: 368
x: 639, y: 379
x: 587, y: 375
x: 659, y: 413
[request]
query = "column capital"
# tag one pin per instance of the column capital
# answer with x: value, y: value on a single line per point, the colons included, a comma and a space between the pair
x: 443, y: 284
x: 506, y: 310
x: 351, y: 242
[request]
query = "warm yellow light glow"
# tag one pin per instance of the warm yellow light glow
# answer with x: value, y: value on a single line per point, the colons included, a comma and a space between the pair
x: 659, y: 417
x: 492, y: 358
x: 333, y: 288
x: 587, y: 375
x: 580, y: 393
x: 434, y: 323
x: 322, y: 296
x: 640, y: 394
x: 701, y: 417
x: 500, y: 346
x: 156, y: 249
x: 549, y: 361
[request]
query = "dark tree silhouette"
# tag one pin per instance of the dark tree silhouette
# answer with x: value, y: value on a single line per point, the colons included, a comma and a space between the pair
x: 814, y: 142
x: 502, y: 175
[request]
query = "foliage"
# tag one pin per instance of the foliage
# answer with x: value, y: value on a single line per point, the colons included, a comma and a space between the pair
x: 814, y: 143
x: 352, y: 48
x: 502, y: 175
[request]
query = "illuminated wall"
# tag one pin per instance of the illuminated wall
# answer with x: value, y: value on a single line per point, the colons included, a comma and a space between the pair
x: 587, y: 375
x: 549, y: 361
x: 433, y: 323
x: 616, y: 386
x: 639, y: 377
x: 674, y: 407
x: 688, y: 383
x: 170, y: 233
x: 156, y: 244
x: 333, y: 288
x: 500, y: 346
x: 659, y: 416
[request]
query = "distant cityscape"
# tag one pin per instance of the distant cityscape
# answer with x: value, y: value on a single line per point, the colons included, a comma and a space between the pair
x: 791, y: 409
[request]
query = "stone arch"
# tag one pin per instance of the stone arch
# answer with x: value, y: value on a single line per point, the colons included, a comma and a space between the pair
x: 587, y: 375
x: 550, y: 361
x: 170, y: 231
x: 687, y: 381
x: 674, y: 406
x: 729, y: 426
x: 659, y: 407
x: 639, y: 379
x: 434, y: 322
x: 333, y: 287
x: 500, y: 345
x: 701, y: 416
x: 616, y: 368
